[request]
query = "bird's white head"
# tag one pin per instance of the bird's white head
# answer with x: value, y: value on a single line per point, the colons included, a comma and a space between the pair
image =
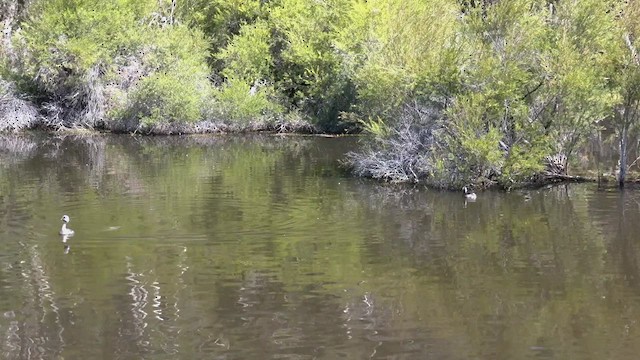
x: 65, y: 218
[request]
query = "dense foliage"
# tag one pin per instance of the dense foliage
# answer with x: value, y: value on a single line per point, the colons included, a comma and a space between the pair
x: 451, y: 92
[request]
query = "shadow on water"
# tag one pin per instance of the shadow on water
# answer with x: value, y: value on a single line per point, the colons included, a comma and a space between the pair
x: 262, y: 247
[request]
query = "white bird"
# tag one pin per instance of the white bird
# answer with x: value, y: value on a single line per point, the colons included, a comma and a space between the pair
x: 64, y: 230
x: 469, y: 195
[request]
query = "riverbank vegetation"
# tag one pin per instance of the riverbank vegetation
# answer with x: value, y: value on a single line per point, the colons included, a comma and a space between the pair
x: 450, y: 92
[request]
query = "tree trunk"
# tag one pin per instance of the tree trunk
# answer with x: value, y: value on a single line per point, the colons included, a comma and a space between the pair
x: 622, y: 173
x: 173, y: 9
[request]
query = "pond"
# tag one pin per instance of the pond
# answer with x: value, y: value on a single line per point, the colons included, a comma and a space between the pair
x: 261, y: 247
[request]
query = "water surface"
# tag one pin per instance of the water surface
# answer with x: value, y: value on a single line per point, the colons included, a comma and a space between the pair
x: 261, y: 247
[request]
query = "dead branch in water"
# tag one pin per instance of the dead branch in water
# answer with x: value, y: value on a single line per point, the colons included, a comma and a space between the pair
x: 566, y: 178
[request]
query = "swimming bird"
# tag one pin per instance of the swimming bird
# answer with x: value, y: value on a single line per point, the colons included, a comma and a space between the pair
x: 64, y: 230
x: 469, y: 195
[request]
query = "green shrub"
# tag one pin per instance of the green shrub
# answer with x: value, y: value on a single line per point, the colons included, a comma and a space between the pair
x: 65, y: 38
x: 163, y: 98
x: 402, y: 51
x: 248, y: 55
x: 237, y: 101
x: 118, y: 60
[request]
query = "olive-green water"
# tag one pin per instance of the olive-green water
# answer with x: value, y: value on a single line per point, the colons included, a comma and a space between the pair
x: 262, y: 248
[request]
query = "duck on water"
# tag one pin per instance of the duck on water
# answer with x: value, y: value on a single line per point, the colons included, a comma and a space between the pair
x: 65, y: 230
x: 469, y: 195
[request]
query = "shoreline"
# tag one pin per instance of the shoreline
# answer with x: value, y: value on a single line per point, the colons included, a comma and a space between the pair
x: 222, y: 129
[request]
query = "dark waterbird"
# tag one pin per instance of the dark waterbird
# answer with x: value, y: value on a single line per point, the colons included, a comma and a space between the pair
x: 469, y: 195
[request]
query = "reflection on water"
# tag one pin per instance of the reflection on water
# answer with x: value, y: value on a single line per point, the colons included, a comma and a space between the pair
x: 261, y: 247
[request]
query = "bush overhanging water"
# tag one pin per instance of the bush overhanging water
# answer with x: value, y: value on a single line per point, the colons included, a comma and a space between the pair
x: 453, y: 93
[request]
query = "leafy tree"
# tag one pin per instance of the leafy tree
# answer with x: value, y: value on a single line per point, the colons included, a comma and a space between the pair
x: 403, y: 51
x: 282, y: 51
x: 248, y: 92
x: 543, y: 81
x: 308, y: 69
x: 578, y: 96
x: 221, y: 21
x: 627, y: 81
x: 523, y: 82
x: 248, y: 55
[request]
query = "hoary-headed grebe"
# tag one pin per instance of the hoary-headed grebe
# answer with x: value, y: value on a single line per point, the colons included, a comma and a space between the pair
x: 65, y: 230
